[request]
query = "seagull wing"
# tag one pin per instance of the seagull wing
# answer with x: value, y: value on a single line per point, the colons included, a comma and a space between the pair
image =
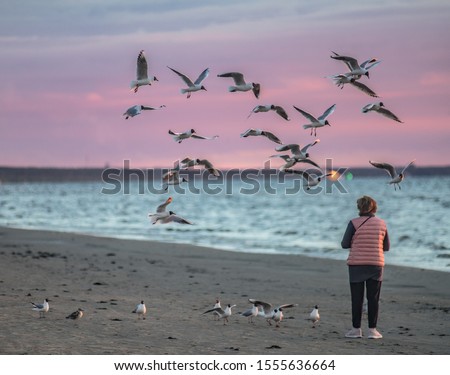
x: 267, y: 307
x: 388, y: 114
x: 287, y: 306
x: 185, y: 78
x: 280, y: 110
x: 142, y: 67
x: 351, y: 62
x: 248, y: 132
x: 271, y: 136
x: 202, y: 137
x: 237, y: 77
x: 328, y: 112
x: 411, y: 162
x: 387, y: 167
x: 305, y: 148
x: 363, y: 88
x: 375, y: 62
x: 306, y: 114
x: 162, y: 206
x: 178, y: 219
x: 217, y: 309
x: 309, y: 161
x: 294, y: 148
x: 202, y: 76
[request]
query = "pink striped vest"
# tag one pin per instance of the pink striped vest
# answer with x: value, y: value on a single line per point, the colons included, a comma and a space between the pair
x: 367, y: 242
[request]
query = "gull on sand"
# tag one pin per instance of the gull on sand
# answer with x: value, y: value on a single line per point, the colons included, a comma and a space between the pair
x: 42, y: 308
x: 76, y: 314
x: 140, y: 308
x: 223, y: 314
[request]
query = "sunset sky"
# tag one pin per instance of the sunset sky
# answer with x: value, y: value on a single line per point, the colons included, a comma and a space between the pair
x: 66, y: 67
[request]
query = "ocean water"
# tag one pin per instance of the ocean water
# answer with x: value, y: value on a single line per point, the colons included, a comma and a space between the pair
x: 257, y: 216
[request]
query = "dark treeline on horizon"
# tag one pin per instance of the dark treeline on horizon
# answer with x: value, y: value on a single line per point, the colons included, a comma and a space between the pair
x: 32, y: 174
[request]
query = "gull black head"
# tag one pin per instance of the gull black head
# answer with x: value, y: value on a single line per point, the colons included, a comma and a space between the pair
x: 142, y: 302
x: 327, y: 123
x: 381, y: 104
x: 46, y: 300
x: 307, y: 155
x: 203, y: 88
x: 316, y: 307
x: 192, y: 131
x: 171, y: 213
x: 184, y: 180
x: 229, y: 305
x: 155, y: 79
x: 367, y: 74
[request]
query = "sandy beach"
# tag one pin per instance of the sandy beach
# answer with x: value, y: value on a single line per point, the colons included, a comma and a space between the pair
x: 108, y: 277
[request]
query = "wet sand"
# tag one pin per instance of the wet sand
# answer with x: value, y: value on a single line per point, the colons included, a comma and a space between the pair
x: 108, y: 277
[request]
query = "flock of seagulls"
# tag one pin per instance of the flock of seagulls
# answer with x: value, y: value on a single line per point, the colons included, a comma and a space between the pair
x: 259, y: 309
x: 262, y: 309
x: 293, y: 154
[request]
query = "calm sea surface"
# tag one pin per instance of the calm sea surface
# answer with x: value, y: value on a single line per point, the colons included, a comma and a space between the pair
x: 246, y: 216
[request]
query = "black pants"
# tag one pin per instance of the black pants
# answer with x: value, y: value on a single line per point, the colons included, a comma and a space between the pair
x: 373, y: 296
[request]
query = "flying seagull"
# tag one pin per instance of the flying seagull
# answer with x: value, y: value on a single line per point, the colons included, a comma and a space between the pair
x: 355, y: 69
x: 316, y: 122
x: 395, y: 178
x: 240, y: 84
x: 340, y: 80
x: 192, y: 86
x: 270, y: 107
x: 310, y: 179
x: 260, y: 132
x: 381, y: 109
x: 188, y: 162
x: 300, y: 153
x: 179, y: 137
x: 164, y: 217
x: 136, y: 110
x: 142, y: 77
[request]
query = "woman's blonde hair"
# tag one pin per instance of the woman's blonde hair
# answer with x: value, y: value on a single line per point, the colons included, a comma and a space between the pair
x: 366, y: 205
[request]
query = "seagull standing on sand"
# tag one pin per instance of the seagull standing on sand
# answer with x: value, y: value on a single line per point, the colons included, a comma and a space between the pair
x: 42, y: 308
x: 240, y: 84
x: 164, y: 217
x: 140, y: 308
x: 340, y: 80
x: 269, y: 312
x: 316, y: 122
x: 264, y: 133
x: 355, y: 69
x: 311, y: 180
x: 381, y: 109
x: 251, y: 313
x: 314, y: 316
x: 395, y: 178
x: 223, y: 314
x: 76, y: 314
x: 270, y: 107
x: 137, y: 109
x: 192, y: 86
x: 179, y: 137
x: 142, y: 77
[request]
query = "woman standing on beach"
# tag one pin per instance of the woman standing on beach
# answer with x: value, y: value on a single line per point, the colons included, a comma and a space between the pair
x: 367, y: 238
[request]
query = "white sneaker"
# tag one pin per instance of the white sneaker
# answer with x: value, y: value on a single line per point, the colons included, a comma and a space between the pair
x: 354, y: 333
x: 374, y: 334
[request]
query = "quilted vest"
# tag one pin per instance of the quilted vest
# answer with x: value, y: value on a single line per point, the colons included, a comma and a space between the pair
x: 367, y: 242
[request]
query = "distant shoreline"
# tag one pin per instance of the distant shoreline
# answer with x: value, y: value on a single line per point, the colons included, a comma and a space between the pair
x: 49, y: 174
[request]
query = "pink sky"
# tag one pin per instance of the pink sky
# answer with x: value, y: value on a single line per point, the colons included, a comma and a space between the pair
x: 66, y: 71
